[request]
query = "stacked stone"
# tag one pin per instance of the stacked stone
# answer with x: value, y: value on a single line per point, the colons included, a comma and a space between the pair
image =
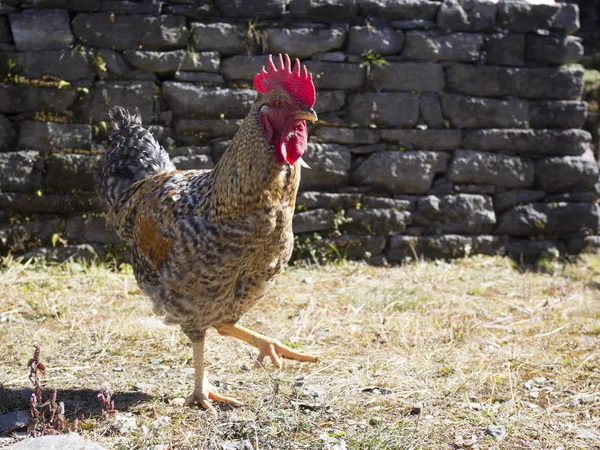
x: 447, y: 128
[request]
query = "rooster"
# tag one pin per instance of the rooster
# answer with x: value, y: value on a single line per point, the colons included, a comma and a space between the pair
x: 207, y: 244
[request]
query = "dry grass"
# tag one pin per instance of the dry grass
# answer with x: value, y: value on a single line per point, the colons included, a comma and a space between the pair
x: 478, y: 342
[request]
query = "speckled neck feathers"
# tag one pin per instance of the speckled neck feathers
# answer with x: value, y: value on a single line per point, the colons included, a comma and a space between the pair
x: 248, y: 176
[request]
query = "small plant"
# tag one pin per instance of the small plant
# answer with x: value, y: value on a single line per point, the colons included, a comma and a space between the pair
x: 107, y: 405
x: 370, y: 60
x: 47, y: 417
x: 11, y: 64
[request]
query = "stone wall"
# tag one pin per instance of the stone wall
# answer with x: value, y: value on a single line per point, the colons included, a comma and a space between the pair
x: 446, y: 128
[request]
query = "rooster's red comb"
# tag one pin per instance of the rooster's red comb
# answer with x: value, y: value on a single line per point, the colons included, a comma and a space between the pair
x: 298, y: 82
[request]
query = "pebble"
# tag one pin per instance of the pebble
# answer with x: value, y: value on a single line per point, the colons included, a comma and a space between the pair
x: 124, y: 424
x: 56, y: 442
x: 244, y: 444
x: 416, y: 409
x: 497, y: 431
x: 374, y: 421
x: 14, y: 420
x: 587, y: 434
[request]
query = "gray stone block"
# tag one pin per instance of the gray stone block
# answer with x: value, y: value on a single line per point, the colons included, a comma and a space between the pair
x: 194, y: 131
x: 536, y: 219
x: 401, y: 172
x: 356, y: 247
x: 383, y: 109
x: 554, y: 49
x: 52, y: 136
x: 243, y: 67
x: 460, y: 213
x: 68, y: 171
x: 199, y: 77
x: 416, y: 24
x: 424, y: 139
x: 8, y: 133
x: 193, y: 162
x: 19, y: 237
x: 171, y: 61
x: 103, y: 30
x: 467, y: 15
x: 327, y: 200
x: 376, y: 221
x: 511, y: 172
x: 409, y: 76
x: 394, y: 204
x: 311, y: 221
x: 196, y: 11
x: 21, y: 171
x: 488, y: 81
x: 431, y: 111
x: 69, y: 5
x: 368, y: 149
x: 478, y: 112
x: 35, y: 30
x: 324, y: 10
x: 524, y: 17
x: 448, y: 246
x: 545, y: 142
x: 66, y: 65
x: 380, y: 40
x: 106, y: 94
x: 113, y: 61
x: 122, y: 7
x: 404, y: 10
x: 186, y: 99
x: 227, y: 38
x: 483, y: 189
x: 329, y: 167
x: 348, y: 135
x: 303, y: 42
x: 528, y: 251
x: 50, y: 203
x: 330, y: 57
x: 259, y: 9
x: 344, y: 76
x: 557, y: 114
x: 90, y: 229
x: 437, y: 46
x: 504, y: 201
x: 567, y: 173
x: 58, y: 254
x: 505, y: 49
x: 329, y: 101
x: 34, y: 98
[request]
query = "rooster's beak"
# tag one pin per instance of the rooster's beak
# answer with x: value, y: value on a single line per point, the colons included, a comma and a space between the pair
x: 307, y: 114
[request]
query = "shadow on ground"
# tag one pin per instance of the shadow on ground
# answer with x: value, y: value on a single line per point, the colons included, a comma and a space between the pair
x: 77, y: 401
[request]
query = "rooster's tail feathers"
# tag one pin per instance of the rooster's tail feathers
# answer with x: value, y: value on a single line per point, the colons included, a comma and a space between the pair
x: 133, y: 156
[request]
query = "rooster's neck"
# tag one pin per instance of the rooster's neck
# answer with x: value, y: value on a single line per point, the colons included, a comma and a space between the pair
x: 248, y: 177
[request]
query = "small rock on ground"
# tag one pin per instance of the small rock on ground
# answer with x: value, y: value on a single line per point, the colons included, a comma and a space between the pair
x: 71, y: 441
x: 14, y: 420
x: 497, y: 431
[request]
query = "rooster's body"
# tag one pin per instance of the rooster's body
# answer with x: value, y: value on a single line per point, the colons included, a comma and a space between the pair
x: 207, y: 244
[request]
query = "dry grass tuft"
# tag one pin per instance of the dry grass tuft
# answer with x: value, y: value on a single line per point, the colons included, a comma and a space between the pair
x: 424, y: 356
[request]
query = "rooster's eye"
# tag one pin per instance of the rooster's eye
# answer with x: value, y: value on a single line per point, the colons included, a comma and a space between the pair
x: 278, y: 103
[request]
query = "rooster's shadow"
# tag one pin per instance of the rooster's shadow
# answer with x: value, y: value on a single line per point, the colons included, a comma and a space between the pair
x: 76, y: 401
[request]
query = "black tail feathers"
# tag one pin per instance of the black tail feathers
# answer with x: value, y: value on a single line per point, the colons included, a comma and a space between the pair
x: 133, y: 156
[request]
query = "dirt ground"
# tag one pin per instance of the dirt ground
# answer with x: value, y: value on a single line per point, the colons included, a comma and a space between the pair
x: 476, y: 353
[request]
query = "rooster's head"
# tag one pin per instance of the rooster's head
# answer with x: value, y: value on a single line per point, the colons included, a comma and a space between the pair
x: 286, y: 106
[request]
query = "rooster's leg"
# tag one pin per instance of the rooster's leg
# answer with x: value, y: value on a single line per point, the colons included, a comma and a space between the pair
x: 204, y: 392
x: 267, y: 346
